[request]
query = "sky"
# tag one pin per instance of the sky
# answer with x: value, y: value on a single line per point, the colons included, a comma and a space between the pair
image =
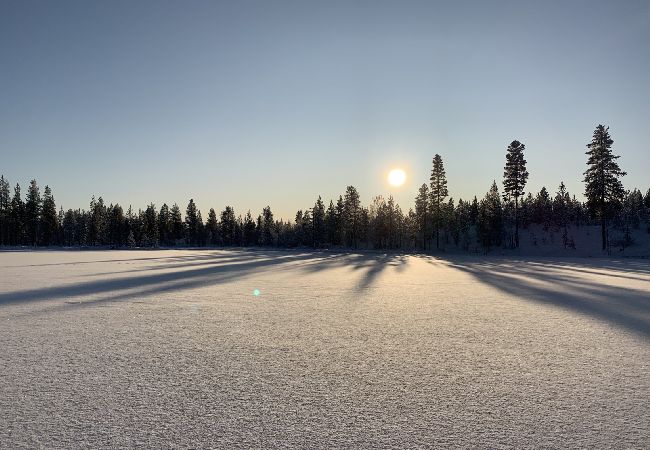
x: 274, y: 103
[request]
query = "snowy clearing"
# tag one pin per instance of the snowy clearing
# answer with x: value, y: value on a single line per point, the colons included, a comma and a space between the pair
x: 170, y: 348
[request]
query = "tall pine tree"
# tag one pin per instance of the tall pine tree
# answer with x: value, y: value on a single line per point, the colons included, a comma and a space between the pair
x: 33, y: 204
x: 49, y: 219
x: 603, y: 189
x: 515, y: 176
x: 5, y: 202
x: 438, y: 194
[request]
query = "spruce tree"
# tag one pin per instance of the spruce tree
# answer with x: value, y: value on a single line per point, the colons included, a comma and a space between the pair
x: 49, y: 219
x: 116, y: 226
x: 33, y: 205
x: 351, y: 216
x: 561, y: 212
x: 249, y: 230
x: 164, y: 225
x: 422, y: 214
x: 603, y: 189
x: 318, y: 223
x: 5, y: 202
x: 191, y: 224
x: 176, y: 224
x: 331, y: 223
x: 212, y: 228
x: 150, y: 227
x: 267, y: 232
x: 438, y: 194
x: 228, y: 225
x: 490, y: 220
x: 515, y: 176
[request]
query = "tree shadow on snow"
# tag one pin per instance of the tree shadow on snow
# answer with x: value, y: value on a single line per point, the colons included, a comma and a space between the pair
x: 570, y: 285
x: 185, y: 273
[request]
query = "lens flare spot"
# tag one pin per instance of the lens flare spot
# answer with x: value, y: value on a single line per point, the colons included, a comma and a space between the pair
x: 256, y: 292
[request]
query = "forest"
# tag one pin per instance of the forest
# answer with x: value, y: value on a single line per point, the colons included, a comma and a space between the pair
x: 436, y: 221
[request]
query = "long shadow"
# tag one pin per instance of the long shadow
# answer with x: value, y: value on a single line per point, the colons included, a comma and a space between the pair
x: 217, y: 259
x: 207, y: 270
x: 159, y: 282
x: 624, y: 307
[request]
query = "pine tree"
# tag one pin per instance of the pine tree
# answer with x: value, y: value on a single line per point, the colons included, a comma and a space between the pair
x: 318, y: 223
x: 603, y: 189
x: 116, y: 226
x: 164, y: 225
x: 33, y: 205
x: 228, y: 225
x: 176, y: 224
x: 267, y: 232
x: 490, y: 220
x: 331, y: 222
x: 212, y: 228
x: 249, y: 230
x: 542, y: 208
x: 5, y: 208
x: 422, y: 214
x: 16, y: 218
x: 150, y: 236
x: 515, y: 176
x: 340, y: 221
x: 351, y: 216
x: 192, y: 224
x: 438, y: 194
x: 561, y: 212
x: 49, y: 219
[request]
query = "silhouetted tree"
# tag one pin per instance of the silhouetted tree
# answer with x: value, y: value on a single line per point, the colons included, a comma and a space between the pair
x: 212, y: 228
x: 562, y: 212
x: 150, y: 227
x: 489, y: 224
x: 351, y: 216
x: 422, y: 214
x: 267, y: 232
x: 33, y: 204
x: 192, y: 228
x: 164, y: 225
x: 515, y: 176
x: 5, y: 209
x: 249, y: 230
x: 49, y: 219
x: 318, y: 223
x: 228, y: 225
x: 603, y: 189
x: 177, y: 226
x: 116, y: 226
x: 438, y: 194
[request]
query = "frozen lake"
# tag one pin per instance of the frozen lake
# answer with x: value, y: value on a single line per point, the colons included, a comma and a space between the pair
x: 173, y: 349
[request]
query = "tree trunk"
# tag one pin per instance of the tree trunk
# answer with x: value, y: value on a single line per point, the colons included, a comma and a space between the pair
x: 516, y: 225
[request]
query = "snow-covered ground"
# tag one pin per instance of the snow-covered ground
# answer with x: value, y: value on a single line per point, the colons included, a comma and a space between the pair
x: 172, y: 349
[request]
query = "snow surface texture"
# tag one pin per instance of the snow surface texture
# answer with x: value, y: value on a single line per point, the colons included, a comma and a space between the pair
x: 172, y: 349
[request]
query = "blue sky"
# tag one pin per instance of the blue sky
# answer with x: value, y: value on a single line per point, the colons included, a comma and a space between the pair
x: 256, y: 103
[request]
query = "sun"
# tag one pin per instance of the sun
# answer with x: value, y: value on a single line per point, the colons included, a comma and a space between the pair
x: 396, y: 177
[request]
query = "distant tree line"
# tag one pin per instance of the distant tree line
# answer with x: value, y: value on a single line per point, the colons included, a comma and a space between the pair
x: 472, y: 225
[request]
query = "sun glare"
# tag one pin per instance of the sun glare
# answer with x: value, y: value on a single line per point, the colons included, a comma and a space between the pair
x: 396, y: 177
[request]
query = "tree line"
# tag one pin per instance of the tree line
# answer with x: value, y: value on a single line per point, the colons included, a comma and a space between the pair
x: 436, y: 219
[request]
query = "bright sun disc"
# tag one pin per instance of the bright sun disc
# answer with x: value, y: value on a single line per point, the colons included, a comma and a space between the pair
x: 396, y: 177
